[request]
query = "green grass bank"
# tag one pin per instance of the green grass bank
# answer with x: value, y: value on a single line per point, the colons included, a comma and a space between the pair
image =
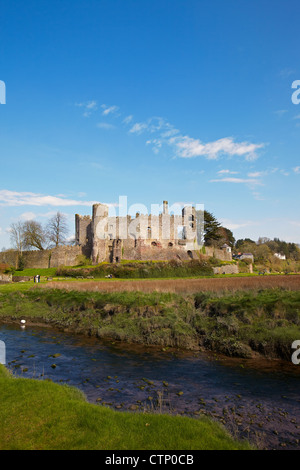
x: 42, y: 415
x: 241, y: 324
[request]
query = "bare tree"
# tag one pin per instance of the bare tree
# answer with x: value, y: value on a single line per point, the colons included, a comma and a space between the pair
x: 34, y: 235
x: 57, y: 229
x: 17, y: 236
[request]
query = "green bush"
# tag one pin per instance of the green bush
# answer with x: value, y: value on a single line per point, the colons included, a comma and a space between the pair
x: 142, y: 270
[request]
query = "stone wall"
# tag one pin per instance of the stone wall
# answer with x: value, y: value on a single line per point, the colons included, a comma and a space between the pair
x: 226, y: 269
x: 217, y: 253
x: 9, y: 257
x: 61, y: 256
x: 5, y: 277
x: 83, y: 231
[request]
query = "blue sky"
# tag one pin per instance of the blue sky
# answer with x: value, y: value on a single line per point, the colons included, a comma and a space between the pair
x: 185, y: 101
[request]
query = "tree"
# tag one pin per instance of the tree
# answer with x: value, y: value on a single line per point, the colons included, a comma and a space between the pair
x: 17, y: 236
x: 211, y: 229
x: 243, y: 242
x: 226, y: 236
x: 57, y: 229
x: 263, y: 240
x: 34, y: 235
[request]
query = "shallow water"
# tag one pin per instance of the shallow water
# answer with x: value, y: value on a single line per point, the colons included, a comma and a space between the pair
x: 256, y: 400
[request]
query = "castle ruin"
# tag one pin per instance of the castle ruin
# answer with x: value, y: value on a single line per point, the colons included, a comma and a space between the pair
x: 143, y: 237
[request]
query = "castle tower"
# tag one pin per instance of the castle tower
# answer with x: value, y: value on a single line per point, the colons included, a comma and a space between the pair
x: 99, y: 231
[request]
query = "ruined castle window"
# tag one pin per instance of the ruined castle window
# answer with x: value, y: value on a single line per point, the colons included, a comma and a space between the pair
x: 170, y: 244
x: 181, y: 232
x: 191, y: 225
x: 154, y: 244
x: 190, y: 254
x: 110, y: 236
x: 149, y: 232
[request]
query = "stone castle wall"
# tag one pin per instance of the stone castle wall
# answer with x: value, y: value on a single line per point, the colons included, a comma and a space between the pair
x: 226, y: 269
x: 144, y: 237
x: 61, y: 256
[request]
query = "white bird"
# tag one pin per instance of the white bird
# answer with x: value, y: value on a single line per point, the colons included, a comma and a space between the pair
x: 23, y: 321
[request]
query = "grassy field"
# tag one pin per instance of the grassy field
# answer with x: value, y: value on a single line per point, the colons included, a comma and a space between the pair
x: 244, y: 323
x: 42, y: 415
x: 218, y: 283
x: 46, y: 272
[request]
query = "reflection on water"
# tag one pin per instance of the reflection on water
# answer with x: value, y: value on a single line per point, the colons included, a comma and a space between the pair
x: 260, y: 401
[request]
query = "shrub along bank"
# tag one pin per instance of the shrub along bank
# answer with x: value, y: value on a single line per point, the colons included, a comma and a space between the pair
x: 141, y: 270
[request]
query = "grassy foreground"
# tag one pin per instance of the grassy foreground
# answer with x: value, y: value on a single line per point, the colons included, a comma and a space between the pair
x: 42, y: 415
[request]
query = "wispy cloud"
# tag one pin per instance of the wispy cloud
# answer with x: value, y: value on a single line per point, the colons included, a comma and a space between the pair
x: 184, y: 146
x: 155, y: 124
x: 32, y: 215
x: 296, y: 170
x: 14, y: 198
x: 280, y: 112
x: 233, y: 225
x: 250, y: 181
x: 28, y: 216
x: 109, y: 109
x: 138, y: 128
x: 227, y: 172
x: 88, y: 107
x: 287, y: 72
x: 105, y: 125
x: 188, y: 147
x: 256, y: 174
x: 128, y: 119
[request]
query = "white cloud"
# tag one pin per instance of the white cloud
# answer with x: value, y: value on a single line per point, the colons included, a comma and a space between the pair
x: 128, y: 119
x: 14, y: 198
x: 109, y: 109
x: 91, y: 105
x: 28, y: 216
x: 255, y: 174
x: 185, y: 146
x: 88, y: 106
x: 227, y: 172
x: 296, y: 169
x: 188, y: 147
x: 156, y: 144
x: 32, y: 215
x: 232, y: 225
x: 138, y: 128
x: 155, y: 124
x: 250, y: 181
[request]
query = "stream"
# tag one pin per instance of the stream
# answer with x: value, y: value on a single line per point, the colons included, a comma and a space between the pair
x: 255, y: 399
